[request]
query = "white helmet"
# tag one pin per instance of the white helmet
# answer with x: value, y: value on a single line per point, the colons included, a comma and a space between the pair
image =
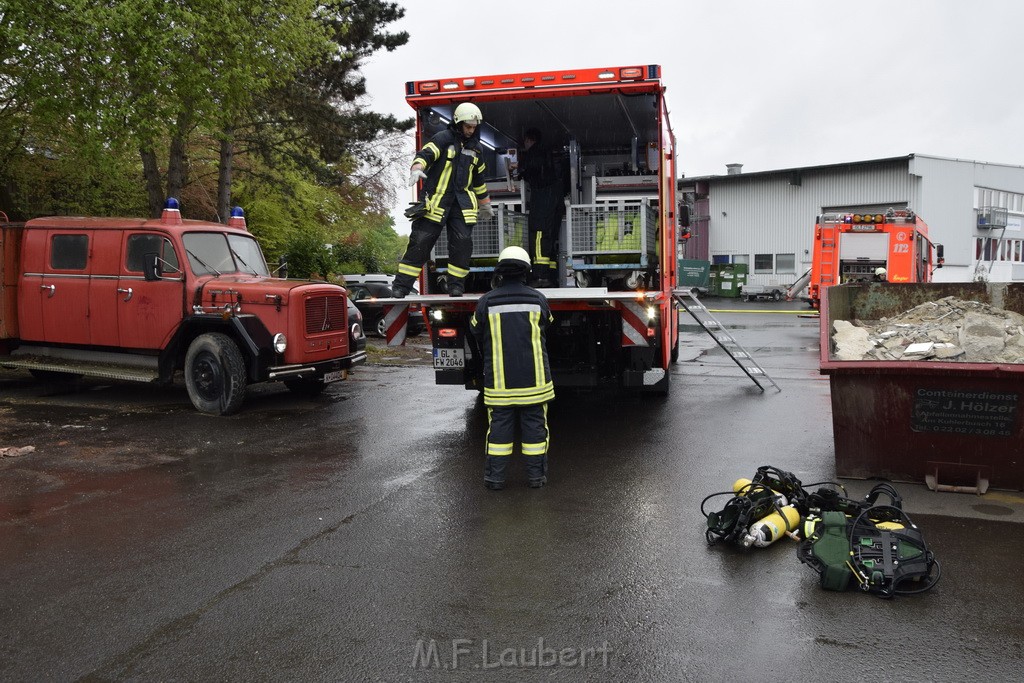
x: 880, y: 272
x: 467, y: 112
x: 514, y: 254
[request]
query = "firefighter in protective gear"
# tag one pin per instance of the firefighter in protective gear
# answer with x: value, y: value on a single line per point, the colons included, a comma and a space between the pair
x: 509, y: 325
x: 880, y: 274
x: 451, y: 167
x: 538, y: 168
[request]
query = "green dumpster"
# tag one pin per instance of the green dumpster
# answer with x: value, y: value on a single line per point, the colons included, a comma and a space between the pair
x: 727, y: 279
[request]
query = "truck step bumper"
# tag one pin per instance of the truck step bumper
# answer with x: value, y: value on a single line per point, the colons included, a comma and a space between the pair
x: 106, y: 371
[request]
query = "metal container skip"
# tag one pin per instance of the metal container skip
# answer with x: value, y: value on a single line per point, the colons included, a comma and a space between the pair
x: 952, y: 425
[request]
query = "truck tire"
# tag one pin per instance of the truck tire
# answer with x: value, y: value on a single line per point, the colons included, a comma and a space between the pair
x: 215, y: 375
x: 777, y: 295
x: 307, y: 387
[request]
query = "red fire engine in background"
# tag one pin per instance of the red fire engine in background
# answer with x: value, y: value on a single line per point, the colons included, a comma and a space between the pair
x: 850, y: 247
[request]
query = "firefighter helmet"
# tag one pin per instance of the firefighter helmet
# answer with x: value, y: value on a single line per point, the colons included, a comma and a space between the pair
x: 511, y: 254
x: 467, y: 112
x: 879, y: 272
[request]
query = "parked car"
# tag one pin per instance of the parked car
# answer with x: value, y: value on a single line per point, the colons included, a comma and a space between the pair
x: 355, y: 326
x: 365, y: 295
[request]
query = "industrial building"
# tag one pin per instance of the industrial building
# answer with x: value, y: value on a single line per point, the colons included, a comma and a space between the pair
x: 766, y: 219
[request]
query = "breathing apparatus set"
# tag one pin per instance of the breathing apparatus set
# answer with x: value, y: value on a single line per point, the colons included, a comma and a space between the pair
x: 848, y: 542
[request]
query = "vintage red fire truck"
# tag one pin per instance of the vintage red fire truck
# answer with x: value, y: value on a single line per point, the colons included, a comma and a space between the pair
x: 136, y: 299
x: 616, y: 323
x: 850, y: 247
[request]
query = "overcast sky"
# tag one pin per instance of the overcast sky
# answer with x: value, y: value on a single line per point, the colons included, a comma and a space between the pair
x: 766, y: 84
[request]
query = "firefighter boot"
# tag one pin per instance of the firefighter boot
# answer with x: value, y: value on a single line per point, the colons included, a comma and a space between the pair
x: 456, y: 287
x: 537, y: 470
x: 494, y: 471
x: 402, y: 285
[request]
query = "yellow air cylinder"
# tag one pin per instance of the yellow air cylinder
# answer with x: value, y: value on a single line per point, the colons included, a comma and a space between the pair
x: 742, y: 487
x: 767, y: 530
x: 740, y: 484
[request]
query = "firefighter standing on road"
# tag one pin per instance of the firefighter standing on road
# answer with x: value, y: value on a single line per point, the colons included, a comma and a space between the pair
x: 509, y: 325
x: 455, y: 195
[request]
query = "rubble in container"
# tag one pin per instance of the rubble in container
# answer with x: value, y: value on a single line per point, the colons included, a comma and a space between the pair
x: 950, y: 329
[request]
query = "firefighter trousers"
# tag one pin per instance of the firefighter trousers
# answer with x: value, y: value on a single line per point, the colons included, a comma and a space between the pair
x: 544, y: 222
x: 422, y: 239
x: 533, y: 431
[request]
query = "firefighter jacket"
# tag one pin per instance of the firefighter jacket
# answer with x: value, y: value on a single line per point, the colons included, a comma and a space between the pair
x: 509, y: 325
x: 455, y: 174
x: 537, y: 167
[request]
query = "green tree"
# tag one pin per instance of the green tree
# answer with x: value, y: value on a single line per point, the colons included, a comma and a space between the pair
x: 147, y: 74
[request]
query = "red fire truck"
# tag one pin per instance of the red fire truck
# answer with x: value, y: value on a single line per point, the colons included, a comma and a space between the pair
x: 616, y: 324
x: 850, y: 247
x: 139, y: 300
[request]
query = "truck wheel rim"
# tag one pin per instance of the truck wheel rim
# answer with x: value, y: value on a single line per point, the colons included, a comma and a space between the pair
x: 207, y: 377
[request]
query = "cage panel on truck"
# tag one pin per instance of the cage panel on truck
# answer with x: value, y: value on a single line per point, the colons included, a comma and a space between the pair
x: 506, y: 228
x: 612, y: 235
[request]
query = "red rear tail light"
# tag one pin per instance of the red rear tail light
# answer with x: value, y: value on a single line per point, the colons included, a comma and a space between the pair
x: 447, y: 332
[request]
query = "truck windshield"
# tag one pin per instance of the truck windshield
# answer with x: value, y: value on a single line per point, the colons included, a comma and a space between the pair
x: 215, y: 253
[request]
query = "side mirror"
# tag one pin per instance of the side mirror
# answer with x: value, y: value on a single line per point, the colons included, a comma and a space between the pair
x: 939, y: 256
x: 151, y: 266
x: 684, y: 216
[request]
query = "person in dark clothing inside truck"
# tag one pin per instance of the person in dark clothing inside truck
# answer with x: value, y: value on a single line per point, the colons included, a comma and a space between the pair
x: 537, y: 167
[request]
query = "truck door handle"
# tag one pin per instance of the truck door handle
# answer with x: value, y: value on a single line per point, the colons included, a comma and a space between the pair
x: 51, y: 288
x: 128, y: 291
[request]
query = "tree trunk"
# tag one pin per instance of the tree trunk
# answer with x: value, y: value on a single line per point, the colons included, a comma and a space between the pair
x: 225, y: 171
x: 154, y: 183
x: 177, y: 166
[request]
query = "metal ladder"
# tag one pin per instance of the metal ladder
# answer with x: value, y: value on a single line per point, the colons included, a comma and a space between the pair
x: 723, y: 337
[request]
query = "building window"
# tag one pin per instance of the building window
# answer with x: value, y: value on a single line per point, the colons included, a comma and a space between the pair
x: 764, y: 263
x: 785, y: 263
x: 741, y: 258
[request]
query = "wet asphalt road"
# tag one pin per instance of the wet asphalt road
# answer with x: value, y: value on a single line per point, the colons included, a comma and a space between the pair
x: 350, y: 537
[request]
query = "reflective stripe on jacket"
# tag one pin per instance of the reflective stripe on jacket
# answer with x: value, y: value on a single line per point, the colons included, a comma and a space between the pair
x: 455, y: 174
x: 510, y: 324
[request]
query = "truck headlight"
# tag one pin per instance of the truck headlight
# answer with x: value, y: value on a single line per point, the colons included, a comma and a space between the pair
x: 652, y: 312
x: 280, y: 342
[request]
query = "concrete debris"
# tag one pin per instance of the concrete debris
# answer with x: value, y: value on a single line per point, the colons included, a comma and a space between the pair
x: 14, y: 451
x: 950, y: 329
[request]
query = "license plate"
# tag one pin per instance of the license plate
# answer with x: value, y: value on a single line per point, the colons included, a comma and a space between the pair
x: 333, y: 376
x: 449, y: 359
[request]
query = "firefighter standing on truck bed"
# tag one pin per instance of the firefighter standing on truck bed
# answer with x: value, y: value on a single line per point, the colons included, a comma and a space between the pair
x: 509, y: 325
x: 455, y: 195
x: 538, y: 169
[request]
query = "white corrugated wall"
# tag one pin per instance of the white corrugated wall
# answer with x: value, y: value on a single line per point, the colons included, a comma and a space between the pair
x: 775, y: 213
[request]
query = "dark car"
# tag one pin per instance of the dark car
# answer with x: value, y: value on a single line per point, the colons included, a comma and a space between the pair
x: 355, y: 326
x: 365, y: 295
